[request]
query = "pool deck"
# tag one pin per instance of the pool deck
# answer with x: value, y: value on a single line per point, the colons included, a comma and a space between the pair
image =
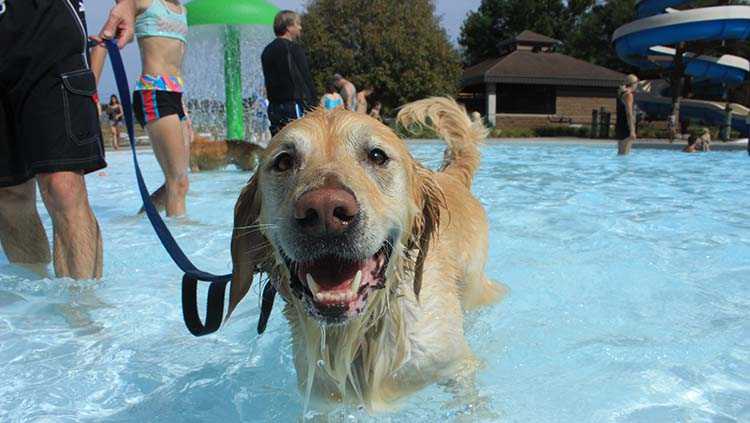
x: 739, y: 145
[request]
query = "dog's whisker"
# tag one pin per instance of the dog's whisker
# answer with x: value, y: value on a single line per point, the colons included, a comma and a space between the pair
x: 248, y: 233
x: 258, y: 226
x: 256, y: 248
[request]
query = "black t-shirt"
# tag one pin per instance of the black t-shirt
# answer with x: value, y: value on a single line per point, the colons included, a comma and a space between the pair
x: 287, y: 73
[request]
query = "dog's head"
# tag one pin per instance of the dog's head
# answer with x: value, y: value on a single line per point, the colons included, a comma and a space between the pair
x: 338, y: 213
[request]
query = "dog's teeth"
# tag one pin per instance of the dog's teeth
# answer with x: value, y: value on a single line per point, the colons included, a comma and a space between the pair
x: 314, y: 287
x: 357, y: 281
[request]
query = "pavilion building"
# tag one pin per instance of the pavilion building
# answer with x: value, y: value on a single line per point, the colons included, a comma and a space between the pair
x: 530, y: 86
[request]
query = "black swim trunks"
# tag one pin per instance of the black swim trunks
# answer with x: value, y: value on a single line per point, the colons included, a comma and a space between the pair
x: 48, y: 116
x: 151, y: 105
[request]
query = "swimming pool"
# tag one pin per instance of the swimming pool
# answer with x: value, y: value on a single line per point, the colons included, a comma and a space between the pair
x: 630, y: 302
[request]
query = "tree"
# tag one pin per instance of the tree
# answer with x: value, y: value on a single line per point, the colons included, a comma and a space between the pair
x: 592, y: 39
x: 398, y: 47
x: 498, y: 20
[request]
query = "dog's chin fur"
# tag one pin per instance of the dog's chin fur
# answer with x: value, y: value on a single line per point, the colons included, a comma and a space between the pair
x: 410, y: 332
x: 352, y: 360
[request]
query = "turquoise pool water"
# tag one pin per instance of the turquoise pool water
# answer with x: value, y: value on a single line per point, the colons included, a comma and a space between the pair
x: 630, y: 302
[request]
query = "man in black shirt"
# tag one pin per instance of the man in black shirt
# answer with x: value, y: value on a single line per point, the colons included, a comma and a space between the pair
x: 288, y: 81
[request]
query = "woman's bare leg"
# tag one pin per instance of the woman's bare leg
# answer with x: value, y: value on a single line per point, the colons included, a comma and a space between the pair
x: 115, y: 136
x: 168, y: 142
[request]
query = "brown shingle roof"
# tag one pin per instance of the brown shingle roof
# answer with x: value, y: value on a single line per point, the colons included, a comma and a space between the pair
x: 530, y: 37
x: 526, y: 67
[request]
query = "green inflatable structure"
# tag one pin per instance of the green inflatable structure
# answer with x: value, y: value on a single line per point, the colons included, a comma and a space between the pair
x: 230, y: 14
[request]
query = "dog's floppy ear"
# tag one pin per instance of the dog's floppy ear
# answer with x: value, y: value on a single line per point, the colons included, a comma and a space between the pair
x: 249, y: 246
x: 430, y: 199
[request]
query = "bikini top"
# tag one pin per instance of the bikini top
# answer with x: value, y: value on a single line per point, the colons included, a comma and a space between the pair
x: 331, y: 103
x: 159, y: 21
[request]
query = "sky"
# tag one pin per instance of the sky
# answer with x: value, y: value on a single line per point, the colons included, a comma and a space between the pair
x: 452, y: 13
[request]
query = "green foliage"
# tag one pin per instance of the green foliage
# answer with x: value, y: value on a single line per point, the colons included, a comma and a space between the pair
x: 512, y: 133
x: 563, y: 131
x: 648, y: 130
x: 498, y: 20
x: 592, y: 38
x: 397, y: 47
x: 543, y: 131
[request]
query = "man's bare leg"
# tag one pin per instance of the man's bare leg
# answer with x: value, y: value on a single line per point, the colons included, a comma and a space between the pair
x: 77, y: 239
x: 172, y: 152
x: 21, y: 232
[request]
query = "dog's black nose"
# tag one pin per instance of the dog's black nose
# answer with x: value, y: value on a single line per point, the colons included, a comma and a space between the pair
x: 327, y: 210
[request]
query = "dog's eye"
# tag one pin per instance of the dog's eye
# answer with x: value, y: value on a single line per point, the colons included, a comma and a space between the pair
x: 283, y: 162
x: 378, y: 156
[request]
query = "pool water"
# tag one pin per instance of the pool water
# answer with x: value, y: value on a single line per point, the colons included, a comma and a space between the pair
x: 630, y: 302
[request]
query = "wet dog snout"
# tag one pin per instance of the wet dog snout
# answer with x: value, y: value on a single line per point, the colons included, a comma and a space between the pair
x: 326, y: 210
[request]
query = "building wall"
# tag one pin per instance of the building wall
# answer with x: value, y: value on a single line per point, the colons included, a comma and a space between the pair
x: 578, y: 109
x: 572, y: 105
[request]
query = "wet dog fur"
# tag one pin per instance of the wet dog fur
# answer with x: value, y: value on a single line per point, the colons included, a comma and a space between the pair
x: 423, y: 232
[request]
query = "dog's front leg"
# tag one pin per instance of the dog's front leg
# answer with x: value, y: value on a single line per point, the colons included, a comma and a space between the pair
x: 467, y: 404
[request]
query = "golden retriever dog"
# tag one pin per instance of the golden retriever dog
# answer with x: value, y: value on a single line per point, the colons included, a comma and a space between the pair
x: 212, y: 155
x: 375, y: 255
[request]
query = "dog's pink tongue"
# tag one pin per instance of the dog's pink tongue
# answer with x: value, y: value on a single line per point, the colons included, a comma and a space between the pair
x: 331, y: 272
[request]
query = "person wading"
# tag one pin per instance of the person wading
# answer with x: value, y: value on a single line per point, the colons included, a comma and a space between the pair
x: 50, y: 133
x: 288, y: 81
x: 161, y: 28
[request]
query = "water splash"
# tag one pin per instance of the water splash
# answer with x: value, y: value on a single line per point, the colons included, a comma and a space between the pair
x: 204, y: 75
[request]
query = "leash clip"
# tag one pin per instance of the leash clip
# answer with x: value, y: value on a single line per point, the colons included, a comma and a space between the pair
x: 2, y: 7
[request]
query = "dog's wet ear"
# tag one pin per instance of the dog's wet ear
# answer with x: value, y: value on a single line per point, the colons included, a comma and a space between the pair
x: 249, y: 246
x: 430, y: 200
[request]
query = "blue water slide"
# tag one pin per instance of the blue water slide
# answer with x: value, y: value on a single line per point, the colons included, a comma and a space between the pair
x: 640, y: 42
x: 703, y: 111
x: 643, y: 43
x: 646, y: 8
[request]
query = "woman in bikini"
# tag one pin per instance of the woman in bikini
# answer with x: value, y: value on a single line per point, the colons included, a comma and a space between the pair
x: 161, y: 29
x: 115, y: 116
x: 331, y: 99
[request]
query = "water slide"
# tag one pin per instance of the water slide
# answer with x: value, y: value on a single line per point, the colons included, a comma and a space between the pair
x: 642, y: 43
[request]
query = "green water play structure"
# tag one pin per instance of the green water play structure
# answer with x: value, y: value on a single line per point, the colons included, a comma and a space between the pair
x: 231, y: 14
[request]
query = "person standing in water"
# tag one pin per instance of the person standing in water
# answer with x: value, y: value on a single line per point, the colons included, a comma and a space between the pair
x: 161, y: 29
x: 331, y: 99
x: 347, y: 90
x: 49, y: 132
x: 626, y: 95
x: 115, y: 116
x: 362, y: 99
x: 289, y: 84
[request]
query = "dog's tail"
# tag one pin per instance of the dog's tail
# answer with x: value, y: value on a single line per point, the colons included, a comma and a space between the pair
x: 450, y: 121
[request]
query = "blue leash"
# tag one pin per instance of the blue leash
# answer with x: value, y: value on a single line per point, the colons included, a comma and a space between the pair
x: 217, y: 289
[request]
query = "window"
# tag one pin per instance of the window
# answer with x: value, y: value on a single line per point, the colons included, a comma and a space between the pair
x: 526, y: 99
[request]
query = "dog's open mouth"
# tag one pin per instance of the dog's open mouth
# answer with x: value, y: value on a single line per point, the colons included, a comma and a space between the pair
x: 336, y: 288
